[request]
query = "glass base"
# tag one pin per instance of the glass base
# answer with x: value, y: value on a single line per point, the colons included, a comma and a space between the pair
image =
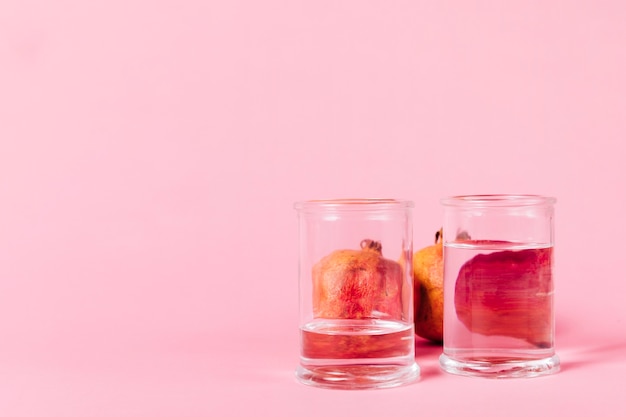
x: 358, y: 376
x: 501, y: 369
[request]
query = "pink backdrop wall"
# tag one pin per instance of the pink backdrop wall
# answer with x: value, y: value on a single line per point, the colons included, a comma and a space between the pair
x: 150, y: 153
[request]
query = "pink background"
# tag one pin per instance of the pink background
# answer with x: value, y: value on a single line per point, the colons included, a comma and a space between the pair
x: 151, y: 151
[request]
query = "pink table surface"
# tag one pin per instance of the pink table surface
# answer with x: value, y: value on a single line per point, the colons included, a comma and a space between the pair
x: 222, y: 373
x: 151, y: 152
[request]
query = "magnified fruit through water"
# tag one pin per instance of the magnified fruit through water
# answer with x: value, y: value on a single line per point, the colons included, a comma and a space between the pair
x: 506, y: 292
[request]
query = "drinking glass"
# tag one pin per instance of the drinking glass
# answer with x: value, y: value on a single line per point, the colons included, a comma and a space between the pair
x: 499, y: 286
x: 356, y: 293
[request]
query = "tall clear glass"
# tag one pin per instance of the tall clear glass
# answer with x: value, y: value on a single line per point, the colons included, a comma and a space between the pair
x: 499, y: 286
x: 356, y: 293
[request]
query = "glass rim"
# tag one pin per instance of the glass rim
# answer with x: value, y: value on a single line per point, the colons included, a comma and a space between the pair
x: 354, y: 204
x: 497, y: 200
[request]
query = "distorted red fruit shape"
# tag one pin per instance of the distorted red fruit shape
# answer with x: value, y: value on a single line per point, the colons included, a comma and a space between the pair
x: 507, y: 293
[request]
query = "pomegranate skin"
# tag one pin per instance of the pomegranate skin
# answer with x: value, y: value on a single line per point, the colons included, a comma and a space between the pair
x: 508, y: 293
x: 428, y: 290
x: 358, y: 284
